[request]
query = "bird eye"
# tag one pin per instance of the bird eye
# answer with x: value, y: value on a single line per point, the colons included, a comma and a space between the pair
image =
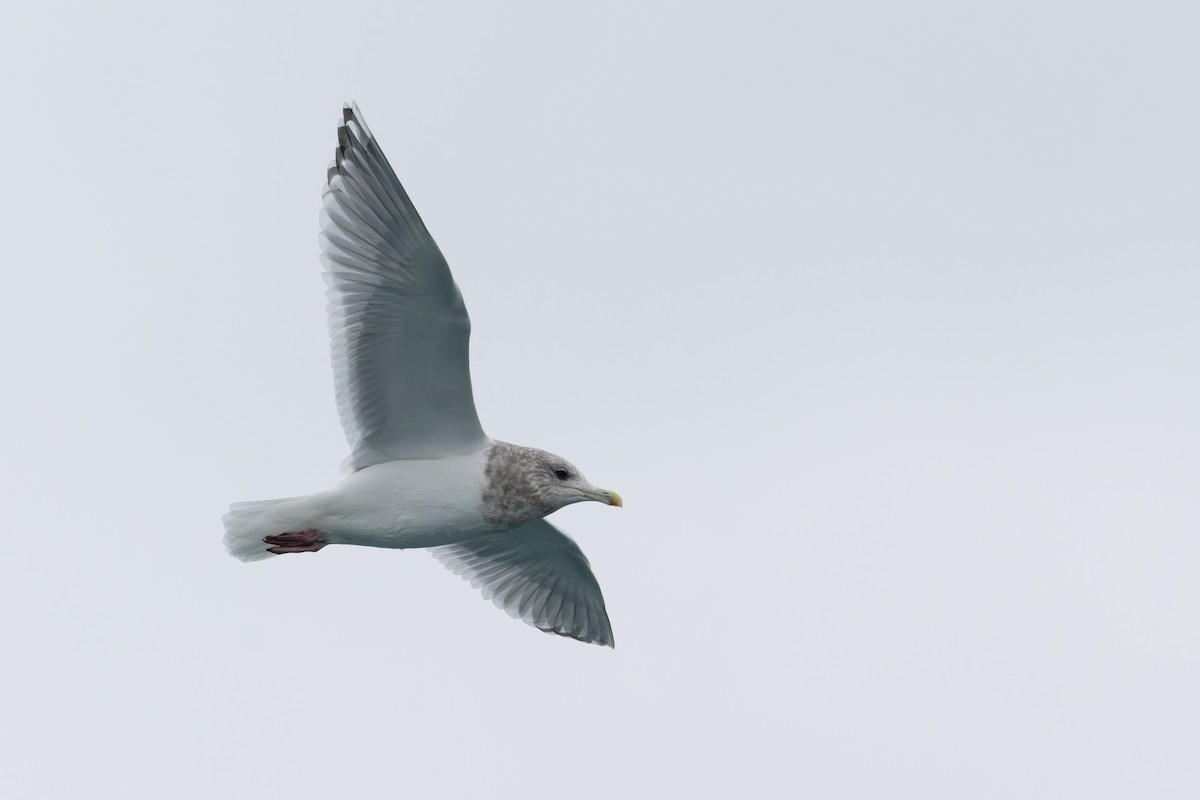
x: 561, y: 474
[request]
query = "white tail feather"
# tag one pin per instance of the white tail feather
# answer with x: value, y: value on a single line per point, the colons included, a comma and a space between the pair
x: 247, y: 523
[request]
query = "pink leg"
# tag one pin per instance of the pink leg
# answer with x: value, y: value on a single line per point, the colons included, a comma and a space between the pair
x: 302, y: 542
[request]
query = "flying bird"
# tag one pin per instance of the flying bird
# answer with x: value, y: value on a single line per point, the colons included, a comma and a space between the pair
x: 421, y: 471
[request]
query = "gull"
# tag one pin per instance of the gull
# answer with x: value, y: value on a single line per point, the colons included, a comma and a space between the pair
x: 421, y: 472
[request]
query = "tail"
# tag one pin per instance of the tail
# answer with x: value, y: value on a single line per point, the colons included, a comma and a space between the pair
x: 247, y: 523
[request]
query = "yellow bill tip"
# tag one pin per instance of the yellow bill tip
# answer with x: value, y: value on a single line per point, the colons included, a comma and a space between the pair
x: 615, y: 500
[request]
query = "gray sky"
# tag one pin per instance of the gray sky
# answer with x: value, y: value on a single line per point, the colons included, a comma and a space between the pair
x: 884, y: 322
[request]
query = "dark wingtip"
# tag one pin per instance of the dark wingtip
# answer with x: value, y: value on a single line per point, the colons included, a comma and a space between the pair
x: 600, y: 640
x: 344, y: 141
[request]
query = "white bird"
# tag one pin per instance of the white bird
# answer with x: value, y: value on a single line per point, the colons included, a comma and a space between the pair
x: 422, y: 471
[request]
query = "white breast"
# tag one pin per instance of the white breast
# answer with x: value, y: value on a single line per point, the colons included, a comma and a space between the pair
x: 406, y: 503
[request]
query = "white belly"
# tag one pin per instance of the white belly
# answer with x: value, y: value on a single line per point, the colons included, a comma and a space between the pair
x: 405, y: 504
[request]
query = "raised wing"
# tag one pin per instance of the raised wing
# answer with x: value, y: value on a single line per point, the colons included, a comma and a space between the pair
x: 537, y: 574
x: 398, y: 325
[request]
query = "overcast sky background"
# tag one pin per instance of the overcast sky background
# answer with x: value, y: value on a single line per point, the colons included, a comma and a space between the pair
x: 883, y: 320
